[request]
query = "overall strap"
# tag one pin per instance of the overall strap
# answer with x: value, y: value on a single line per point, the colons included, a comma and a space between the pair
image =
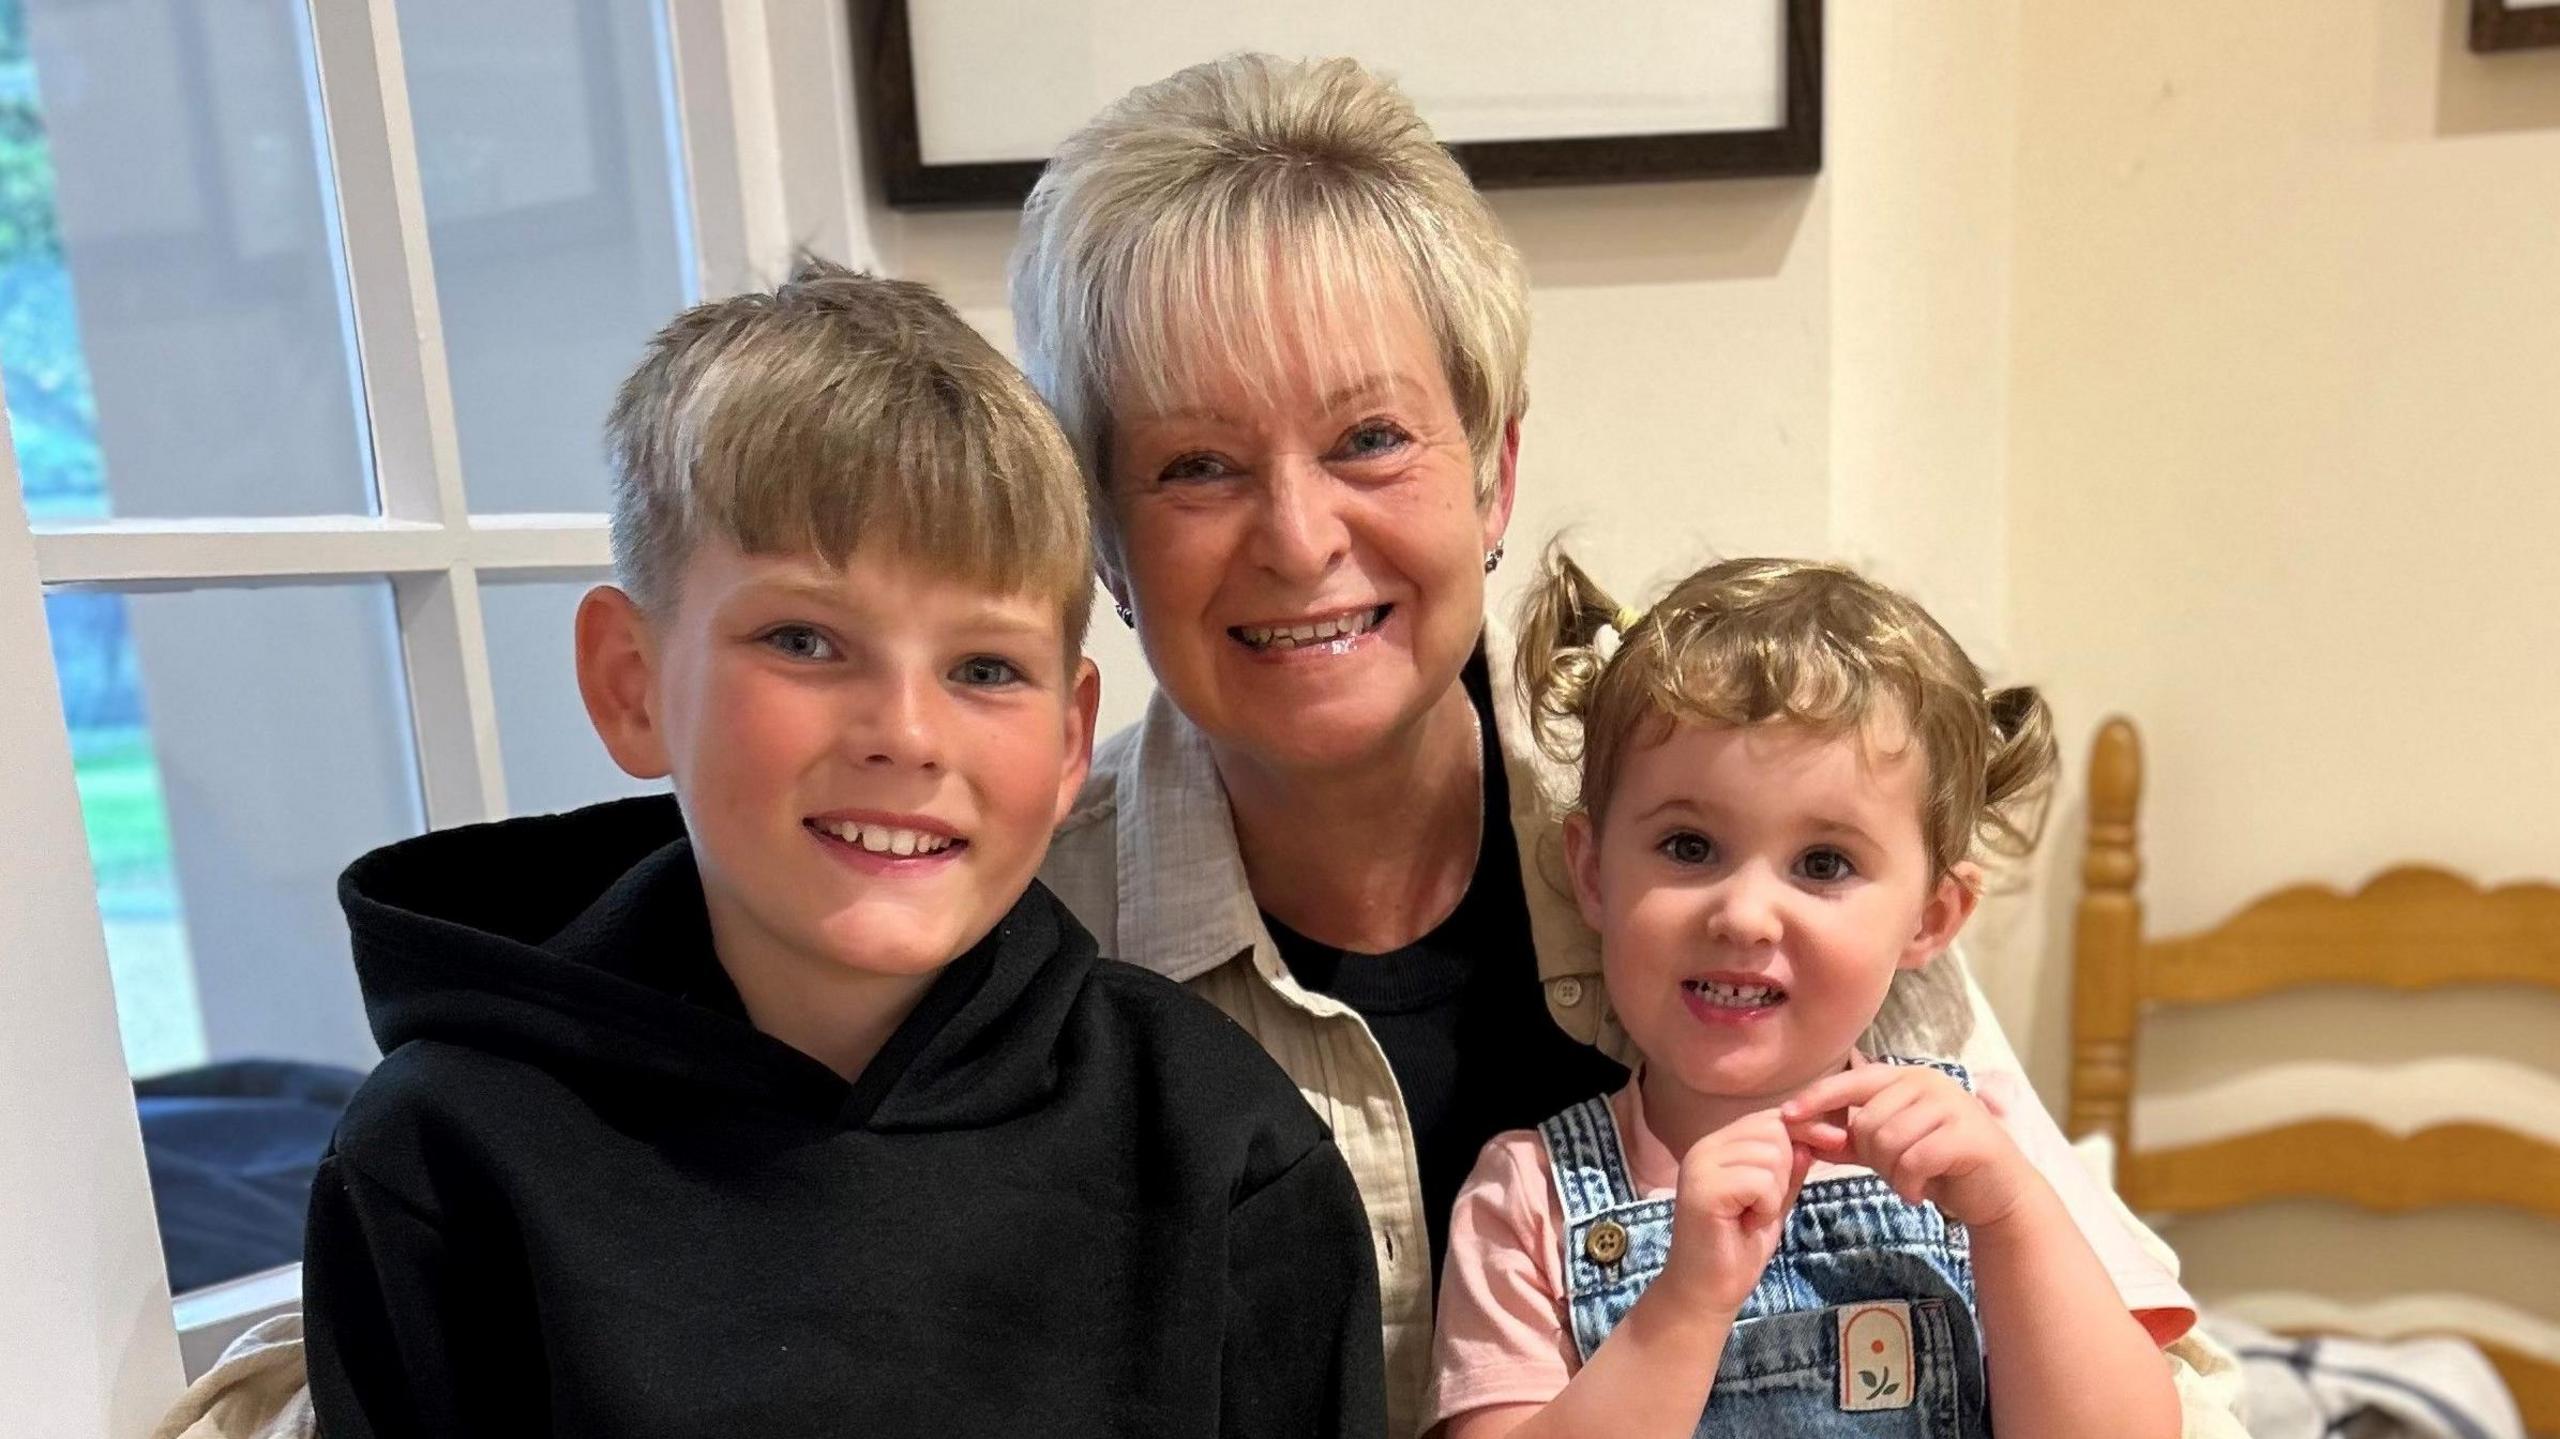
x: 1588, y: 1161
x: 1947, y: 1067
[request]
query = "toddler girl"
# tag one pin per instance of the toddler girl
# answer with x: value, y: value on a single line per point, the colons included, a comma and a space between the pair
x: 1786, y: 772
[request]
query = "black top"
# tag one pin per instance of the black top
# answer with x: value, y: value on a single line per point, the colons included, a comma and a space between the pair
x: 582, y: 1195
x: 1460, y: 1012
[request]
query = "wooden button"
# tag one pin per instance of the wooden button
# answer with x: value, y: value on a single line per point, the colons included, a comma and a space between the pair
x: 1605, y: 1242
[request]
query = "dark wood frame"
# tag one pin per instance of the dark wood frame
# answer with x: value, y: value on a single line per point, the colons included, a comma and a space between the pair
x: 2496, y: 26
x: 885, y: 65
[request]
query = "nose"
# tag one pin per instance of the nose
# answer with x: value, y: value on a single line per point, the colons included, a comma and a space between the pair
x: 1746, y: 910
x: 1302, y: 535
x: 897, y: 725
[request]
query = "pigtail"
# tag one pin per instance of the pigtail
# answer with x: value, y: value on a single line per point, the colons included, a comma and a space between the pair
x: 1559, y: 659
x: 2018, y: 772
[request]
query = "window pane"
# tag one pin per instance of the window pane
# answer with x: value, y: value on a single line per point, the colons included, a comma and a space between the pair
x: 172, y: 317
x: 554, y: 760
x: 235, y: 749
x: 554, y: 207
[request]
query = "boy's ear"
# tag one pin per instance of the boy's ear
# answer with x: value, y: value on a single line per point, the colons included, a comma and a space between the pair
x: 1582, y: 862
x: 617, y: 668
x: 1949, y: 906
x: 1083, y: 705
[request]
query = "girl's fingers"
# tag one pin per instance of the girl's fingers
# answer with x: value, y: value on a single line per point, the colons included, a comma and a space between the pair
x: 1932, y: 1157
x: 1774, y: 1195
x: 1894, y: 1137
x: 1757, y: 1155
x: 1870, y: 1120
x: 1821, y: 1136
x: 1847, y: 1089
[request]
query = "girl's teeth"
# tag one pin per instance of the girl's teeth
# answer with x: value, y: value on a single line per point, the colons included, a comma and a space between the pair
x: 1736, y: 996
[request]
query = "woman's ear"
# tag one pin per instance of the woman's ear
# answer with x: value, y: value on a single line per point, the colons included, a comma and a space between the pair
x: 1582, y: 862
x: 1506, y: 487
x: 1114, y: 583
x: 1111, y: 569
x: 617, y: 677
x: 1949, y: 906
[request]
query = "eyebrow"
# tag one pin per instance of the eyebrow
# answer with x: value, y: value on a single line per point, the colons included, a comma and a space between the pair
x: 796, y: 591
x: 987, y: 619
x: 1187, y: 412
x: 1363, y: 388
x: 1366, y: 387
x: 1676, y: 801
x: 1842, y: 826
x: 1820, y: 825
x: 991, y: 622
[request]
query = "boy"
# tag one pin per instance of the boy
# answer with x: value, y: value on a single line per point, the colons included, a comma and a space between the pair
x: 790, y: 1104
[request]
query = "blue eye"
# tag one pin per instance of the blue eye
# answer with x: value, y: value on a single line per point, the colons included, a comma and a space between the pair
x: 1195, y: 467
x: 799, y: 642
x: 1370, y: 439
x: 986, y: 670
x: 1826, y: 866
x: 1687, y: 847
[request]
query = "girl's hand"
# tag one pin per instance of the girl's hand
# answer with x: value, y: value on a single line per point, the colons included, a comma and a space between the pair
x: 1922, y: 1132
x: 1736, y: 1186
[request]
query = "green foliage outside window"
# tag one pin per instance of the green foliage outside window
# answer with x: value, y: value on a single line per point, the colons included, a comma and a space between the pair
x: 53, y: 423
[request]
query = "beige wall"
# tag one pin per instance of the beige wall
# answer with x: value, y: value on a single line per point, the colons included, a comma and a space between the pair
x: 2284, y: 437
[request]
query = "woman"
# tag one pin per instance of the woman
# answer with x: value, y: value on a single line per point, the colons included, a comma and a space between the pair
x: 1287, y: 339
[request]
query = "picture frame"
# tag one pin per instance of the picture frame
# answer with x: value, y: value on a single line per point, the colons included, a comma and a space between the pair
x: 915, y: 106
x: 2514, y: 24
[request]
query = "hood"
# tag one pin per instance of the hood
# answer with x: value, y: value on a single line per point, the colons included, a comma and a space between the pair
x: 579, y: 943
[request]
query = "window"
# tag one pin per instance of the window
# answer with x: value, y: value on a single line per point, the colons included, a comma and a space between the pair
x: 180, y: 279
x: 309, y: 314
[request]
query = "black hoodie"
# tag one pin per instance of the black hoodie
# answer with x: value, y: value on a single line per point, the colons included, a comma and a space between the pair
x: 582, y: 1195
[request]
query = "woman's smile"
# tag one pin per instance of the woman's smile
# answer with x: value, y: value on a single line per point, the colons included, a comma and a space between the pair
x: 1334, y: 630
x: 1338, y: 634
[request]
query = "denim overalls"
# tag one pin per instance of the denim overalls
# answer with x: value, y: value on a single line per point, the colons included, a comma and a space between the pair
x: 1858, y: 1274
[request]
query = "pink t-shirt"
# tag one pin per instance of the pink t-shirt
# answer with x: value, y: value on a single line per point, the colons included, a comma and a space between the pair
x: 1504, y: 1337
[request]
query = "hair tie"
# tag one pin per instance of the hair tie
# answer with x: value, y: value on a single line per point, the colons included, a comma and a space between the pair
x: 1614, y: 633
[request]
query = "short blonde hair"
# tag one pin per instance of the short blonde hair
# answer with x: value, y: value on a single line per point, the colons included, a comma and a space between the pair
x: 1189, y: 209
x: 841, y: 410
x: 1746, y: 642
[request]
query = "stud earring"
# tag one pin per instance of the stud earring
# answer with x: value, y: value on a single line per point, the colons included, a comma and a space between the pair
x: 1493, y: 557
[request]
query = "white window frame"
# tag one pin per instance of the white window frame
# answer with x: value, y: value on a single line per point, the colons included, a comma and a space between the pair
x: 87, y: 1312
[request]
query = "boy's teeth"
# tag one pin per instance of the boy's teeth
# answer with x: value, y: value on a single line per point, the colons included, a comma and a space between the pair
x: 883, y: 839
x: 1285, y: 637
x: 1736, y: 996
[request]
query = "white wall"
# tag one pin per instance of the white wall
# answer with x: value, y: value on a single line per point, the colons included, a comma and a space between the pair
x: 2284, y: 441
x: 85, y: 1339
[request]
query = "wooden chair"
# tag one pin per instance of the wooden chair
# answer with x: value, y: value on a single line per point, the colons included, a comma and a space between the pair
x: 2410, y: 928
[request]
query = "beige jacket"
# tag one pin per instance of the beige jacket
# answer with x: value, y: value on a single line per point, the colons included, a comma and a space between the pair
x: 1148, y: 860
x: 256, y: 1391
